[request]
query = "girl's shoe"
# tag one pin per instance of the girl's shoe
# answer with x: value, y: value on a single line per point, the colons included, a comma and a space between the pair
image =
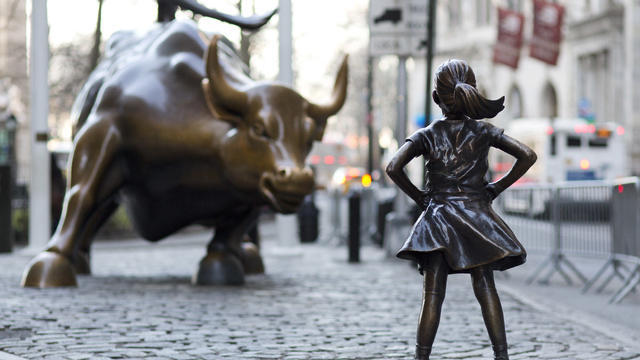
x: 500, y: 352
x: 422, y: 352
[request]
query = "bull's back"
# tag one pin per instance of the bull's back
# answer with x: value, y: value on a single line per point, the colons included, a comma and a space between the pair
x: 155, y: 72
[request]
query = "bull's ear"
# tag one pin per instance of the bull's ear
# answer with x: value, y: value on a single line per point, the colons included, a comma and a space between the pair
x: 320, y: 112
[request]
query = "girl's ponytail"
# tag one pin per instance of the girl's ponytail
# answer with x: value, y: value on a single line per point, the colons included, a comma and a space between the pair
x: 469, y: 102
x: 455, y: 85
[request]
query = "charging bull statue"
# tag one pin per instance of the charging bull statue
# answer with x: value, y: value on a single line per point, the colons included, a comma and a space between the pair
x: 174, y: 132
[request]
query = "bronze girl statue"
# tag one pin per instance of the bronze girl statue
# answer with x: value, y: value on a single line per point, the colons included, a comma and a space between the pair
x: 458, y: 231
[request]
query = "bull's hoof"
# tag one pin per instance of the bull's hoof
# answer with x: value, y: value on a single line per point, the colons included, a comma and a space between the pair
x: 82, y: 263
x: 49, y: 269
x: 251, y: 259
x: 219, y: 268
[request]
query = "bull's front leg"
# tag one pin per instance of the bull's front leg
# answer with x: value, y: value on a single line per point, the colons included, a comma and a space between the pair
x: 228, y: 255
x: 93, y: 183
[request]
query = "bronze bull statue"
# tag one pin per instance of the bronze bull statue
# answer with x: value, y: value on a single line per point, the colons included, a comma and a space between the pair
x: 178, y: 135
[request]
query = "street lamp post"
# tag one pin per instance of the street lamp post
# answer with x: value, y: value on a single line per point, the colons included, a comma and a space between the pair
x: 39, y: 185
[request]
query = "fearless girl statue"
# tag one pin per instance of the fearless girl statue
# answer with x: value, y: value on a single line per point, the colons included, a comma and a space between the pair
x: 458, y: 231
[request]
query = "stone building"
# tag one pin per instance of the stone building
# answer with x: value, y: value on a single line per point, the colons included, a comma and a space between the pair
x: 601, y: 44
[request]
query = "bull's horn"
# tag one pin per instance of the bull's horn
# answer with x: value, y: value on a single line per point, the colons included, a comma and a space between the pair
x: 217, y: 89
x: 247, y: 23
x: 321, y: 112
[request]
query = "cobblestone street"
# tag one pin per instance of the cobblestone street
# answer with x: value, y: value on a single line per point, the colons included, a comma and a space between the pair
x: 311, y: 304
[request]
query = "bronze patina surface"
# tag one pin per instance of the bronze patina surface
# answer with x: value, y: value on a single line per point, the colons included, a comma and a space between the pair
x: 458, y: 231
x: 171, y: 127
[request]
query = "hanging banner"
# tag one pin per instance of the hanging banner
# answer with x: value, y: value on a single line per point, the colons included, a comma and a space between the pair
x: 507, y: 48
x: 547, y: 31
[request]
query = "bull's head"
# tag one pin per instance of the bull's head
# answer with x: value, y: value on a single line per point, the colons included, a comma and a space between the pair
x: 273, y: 130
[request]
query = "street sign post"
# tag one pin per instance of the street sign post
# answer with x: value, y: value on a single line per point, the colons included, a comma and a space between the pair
x: 398, y: 27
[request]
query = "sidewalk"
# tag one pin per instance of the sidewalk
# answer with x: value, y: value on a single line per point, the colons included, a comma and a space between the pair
x: 311, y: 304
x: 621, y: 321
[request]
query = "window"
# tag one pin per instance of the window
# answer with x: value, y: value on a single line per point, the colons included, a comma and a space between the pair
x: 515, y: 5
x: 455, y: 10
x: 598, y: 142
x: 574, y: 141
x: 594, y: 86
x: 552, y: 144
x: 483, y: 12
x: 514, y: 104
x: 550, y: 105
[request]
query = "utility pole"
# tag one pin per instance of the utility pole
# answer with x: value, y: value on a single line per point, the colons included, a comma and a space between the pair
x: 401, y: 205
x: 286, y: 224
x: 285, y: 50
x: 370, y: 114
x: 431, y: 38
x: 40, y: 182
x: 245, y: 36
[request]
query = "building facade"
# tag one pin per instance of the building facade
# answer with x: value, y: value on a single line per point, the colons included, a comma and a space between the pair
x: 595, y: 68
x: 14, y: 81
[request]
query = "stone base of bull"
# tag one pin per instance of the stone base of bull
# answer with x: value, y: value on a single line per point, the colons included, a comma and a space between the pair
x: 251, y: 259
x: 219, y: 268
x: 49, y: 269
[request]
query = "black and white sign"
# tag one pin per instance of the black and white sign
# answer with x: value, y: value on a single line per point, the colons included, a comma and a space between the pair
x: 398, y: 27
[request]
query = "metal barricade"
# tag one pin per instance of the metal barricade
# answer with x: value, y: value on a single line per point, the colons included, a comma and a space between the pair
x: 625, y: 247
x: 584, y: 219
x: 336, y: 223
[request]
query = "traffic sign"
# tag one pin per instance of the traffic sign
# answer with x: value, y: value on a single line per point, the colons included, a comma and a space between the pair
x: 398, y: 27
x: 389, y: 45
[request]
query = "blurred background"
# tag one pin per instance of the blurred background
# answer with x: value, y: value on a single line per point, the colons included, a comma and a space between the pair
x: 565, y: 67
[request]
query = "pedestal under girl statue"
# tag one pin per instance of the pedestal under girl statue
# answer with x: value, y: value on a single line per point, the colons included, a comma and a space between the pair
x: 458, y: 231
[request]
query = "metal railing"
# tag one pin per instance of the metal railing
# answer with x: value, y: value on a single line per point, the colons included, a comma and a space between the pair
x: 585, y: 219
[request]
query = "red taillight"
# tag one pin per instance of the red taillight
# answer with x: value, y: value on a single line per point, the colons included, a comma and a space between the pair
x: 585, y: 129
x: 353, y: 173
x: 549, y: 130
x: 620, y: 189
x: 329, y: 159
x: 315, y: 159
x: 620, y: 130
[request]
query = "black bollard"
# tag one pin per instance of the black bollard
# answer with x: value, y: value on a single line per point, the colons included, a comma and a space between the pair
x: 354, y: 227
x: 6, y: 238
x: 385, y: 206
x: 308, y: 220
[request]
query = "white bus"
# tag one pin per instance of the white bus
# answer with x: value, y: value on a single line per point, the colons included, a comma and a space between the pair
x: 567, y: 149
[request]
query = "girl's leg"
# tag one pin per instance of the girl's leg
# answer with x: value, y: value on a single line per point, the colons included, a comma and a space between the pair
x: 485, y: 290
x: 435, y: 271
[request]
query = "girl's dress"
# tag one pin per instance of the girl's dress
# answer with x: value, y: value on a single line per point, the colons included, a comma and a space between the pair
x: 458, y: 220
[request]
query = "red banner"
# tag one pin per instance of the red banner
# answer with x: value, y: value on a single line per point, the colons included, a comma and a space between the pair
x: 547, y: 31
x: 507, y: 48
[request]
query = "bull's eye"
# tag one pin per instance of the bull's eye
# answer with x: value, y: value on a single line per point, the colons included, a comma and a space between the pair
x: 259, y: 130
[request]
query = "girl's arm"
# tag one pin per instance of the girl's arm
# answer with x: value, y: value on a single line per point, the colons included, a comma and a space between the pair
x: 525, y: 158
x: 395, y: 170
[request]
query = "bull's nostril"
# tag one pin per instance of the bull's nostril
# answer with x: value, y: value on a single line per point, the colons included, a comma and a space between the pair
x: 284, y: 172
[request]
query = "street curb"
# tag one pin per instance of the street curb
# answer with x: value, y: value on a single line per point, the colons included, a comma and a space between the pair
x: 618, y: 332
